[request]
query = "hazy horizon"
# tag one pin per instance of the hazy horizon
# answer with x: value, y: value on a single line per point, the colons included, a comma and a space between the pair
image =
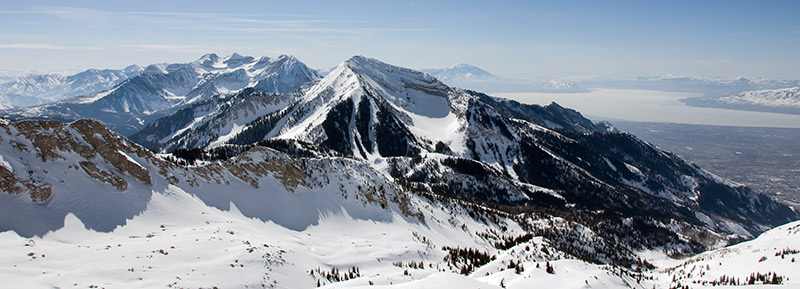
x: 513, y: 38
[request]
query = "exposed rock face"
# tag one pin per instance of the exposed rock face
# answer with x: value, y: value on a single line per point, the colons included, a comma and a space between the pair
x: 87, y: 170
x: 11, y: 184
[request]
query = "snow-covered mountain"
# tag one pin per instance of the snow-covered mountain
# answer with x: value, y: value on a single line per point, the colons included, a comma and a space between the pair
x: 159, y: 91
x: 780, y: 100
x: 210, y: 122
x: 785, y: 98
x: 460, y: 73
x: 450, y: 142
x: 475, y: 78
x: 46, y: 88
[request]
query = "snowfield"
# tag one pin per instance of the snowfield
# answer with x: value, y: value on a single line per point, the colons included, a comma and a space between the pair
x: 123, y: 217
x: 198, y: 246
x: 259, y: 220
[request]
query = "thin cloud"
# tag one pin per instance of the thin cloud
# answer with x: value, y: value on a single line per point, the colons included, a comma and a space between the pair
x: 234, y: 18
x: 168, y: 47
x: 247, y: 23
x: 45, y: 46
x: 185, y: 48
x: 83, y: 15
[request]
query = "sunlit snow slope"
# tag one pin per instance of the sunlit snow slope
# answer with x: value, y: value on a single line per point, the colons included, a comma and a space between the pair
x: 82, y: 206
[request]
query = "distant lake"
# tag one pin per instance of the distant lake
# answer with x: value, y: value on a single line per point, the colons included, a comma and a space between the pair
x: 652, y: 106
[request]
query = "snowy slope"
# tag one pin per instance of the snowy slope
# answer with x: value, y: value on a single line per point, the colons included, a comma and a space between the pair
x: 160, y: 91
x: 211, y: 122
x: 774, y: 253
x: 82, y: 206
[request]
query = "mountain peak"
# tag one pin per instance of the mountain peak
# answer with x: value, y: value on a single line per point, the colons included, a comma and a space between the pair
x: 208, y: 56
x: 129, y: 101
x: 375, y: 68
x: 472, y: 70
x: 461, y: 74
x: 406, y: 88
x: 153, y: 69
x: 465, y: 66
x: 208, y: 60
x: 236, y: 60
x: 359, y: 61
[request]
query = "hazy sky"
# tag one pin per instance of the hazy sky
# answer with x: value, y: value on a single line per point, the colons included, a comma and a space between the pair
x: 510, y: 38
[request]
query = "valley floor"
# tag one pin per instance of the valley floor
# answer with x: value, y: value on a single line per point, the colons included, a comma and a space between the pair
x: 766, y: 159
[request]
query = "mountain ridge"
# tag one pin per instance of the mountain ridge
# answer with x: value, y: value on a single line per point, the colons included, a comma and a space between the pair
x: 467, y: 145
x: 160, y: 91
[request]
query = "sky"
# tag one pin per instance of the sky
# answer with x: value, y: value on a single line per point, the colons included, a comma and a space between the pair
x: 508, y: 38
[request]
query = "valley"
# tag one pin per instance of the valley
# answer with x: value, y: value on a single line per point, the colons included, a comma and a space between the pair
x: 766, y: 159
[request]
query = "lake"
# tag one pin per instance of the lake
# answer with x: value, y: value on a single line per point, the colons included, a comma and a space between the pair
x: 652, y: 106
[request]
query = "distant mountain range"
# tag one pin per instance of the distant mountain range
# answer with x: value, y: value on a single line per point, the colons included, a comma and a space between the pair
x: 720, y: 85
x: 162, y: 89
x: 475, y: 78
x: 785, y: 97
x: 461, y: 73
x: 781, y: 100
x: 42, y: 89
